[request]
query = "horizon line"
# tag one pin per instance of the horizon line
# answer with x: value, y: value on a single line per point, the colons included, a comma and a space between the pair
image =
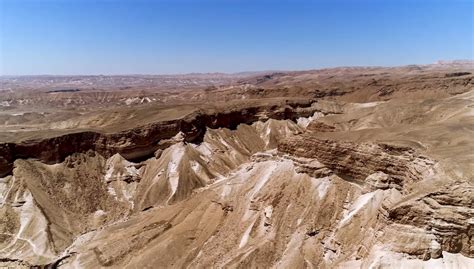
x: 438, y: 62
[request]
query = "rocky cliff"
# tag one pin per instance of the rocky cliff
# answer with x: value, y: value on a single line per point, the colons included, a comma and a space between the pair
x: 141, y: 142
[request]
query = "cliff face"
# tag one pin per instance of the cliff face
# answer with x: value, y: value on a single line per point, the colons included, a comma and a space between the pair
x: 440, y: 211
x: 394, y: 165
x: 141, y: 142
x: 445, y: 213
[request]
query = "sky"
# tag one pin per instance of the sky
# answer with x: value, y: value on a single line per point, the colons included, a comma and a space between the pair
x: 80, y: 37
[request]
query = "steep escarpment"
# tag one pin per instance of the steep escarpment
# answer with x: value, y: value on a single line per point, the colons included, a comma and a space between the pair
x: 389, y: 166
x: 141, y: 142
x: 427, y: 213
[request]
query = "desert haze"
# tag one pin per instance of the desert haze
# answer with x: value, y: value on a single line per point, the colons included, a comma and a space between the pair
x: 350, y: 167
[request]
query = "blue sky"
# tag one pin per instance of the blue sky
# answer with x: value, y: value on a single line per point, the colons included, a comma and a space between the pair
x: 162, y: 37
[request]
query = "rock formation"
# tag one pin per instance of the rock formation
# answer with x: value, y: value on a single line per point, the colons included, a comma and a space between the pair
x: 265, y: 184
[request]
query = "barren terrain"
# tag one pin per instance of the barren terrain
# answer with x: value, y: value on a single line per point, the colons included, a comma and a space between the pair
x: 351, y: 167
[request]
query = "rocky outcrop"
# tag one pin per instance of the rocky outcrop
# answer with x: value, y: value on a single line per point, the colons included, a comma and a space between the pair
x: 427, y: 223
x: 457, y: 74
x: 447, y: 214
x: 316, y: 126
x: 355, y: 162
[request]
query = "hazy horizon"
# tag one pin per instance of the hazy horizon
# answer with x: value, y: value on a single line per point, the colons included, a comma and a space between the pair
x: 232, y: 73
x: 181, y: 37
